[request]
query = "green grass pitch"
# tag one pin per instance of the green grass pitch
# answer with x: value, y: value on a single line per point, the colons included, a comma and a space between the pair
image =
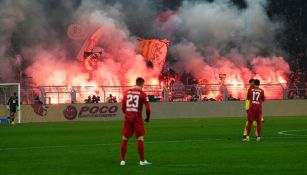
x: 183, y: 146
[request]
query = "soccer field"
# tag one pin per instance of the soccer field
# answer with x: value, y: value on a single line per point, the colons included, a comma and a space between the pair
x: 185, y: 146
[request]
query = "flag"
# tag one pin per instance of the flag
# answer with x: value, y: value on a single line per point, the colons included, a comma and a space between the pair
x: 39, y: 109
x: 155, y: 51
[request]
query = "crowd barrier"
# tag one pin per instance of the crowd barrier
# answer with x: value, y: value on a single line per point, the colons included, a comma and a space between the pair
x: 178, y: 92
x: 175, y: 110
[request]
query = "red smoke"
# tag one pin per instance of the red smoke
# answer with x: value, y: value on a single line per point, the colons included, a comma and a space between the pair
x: 271, y: 71
x: 119, y: 65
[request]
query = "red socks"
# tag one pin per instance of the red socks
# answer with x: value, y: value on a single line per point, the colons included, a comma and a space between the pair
x: 141, y: 149
x: 249, y: 127
x: 123, y: 149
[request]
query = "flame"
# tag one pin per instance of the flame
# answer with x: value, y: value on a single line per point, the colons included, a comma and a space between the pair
x: 217, y: 94
x: 214, y: 95
x: 281, y: 80
x: 236, y: 85
x: 131, y: 83
x: 211, y: 95
x: 154, y: 81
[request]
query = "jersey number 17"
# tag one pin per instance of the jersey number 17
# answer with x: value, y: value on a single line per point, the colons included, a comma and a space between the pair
x: 256, y: 96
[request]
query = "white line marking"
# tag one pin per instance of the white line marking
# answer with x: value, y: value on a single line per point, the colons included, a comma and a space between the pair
x: 152, y: 142
x: 56, y: 146
x: 288, y: 132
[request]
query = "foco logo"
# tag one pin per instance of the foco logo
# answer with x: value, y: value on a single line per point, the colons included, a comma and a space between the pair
x: 71, y: 112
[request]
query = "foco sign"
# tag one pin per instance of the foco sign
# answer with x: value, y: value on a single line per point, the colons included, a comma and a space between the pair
x: 72, y: 112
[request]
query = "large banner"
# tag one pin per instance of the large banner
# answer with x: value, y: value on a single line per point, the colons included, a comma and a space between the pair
x: 155, y: 51
x: 68, y: 112
x: 111, y: 111
x: 81, y: 112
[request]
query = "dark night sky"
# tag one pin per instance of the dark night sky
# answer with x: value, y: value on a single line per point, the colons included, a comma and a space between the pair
x: 294, y: 38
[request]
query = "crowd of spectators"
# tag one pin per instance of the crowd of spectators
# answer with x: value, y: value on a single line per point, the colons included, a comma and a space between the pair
x: 96, y: 99
x: 111, y: 99
x: 92, y: 99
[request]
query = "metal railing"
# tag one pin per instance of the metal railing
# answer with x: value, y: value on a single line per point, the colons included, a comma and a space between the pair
x: 79, y: 94
x: 156, y: 93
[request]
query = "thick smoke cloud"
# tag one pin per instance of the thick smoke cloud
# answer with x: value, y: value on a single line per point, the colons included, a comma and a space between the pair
x: 207, y: 38
x: 10, y: 16
x: 37, y: 31
x: 221, y: 25
x: 219, y: 38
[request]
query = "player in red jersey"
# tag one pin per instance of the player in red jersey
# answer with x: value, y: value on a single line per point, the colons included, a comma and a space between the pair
x: 132, y: 106
x: 256, y: 97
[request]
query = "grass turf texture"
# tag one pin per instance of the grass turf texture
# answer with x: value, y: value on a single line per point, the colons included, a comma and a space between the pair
x: 185, y: 146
